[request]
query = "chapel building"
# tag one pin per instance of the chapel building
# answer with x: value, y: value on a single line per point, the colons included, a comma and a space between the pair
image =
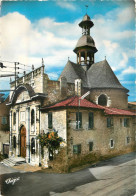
x: 87, y: 106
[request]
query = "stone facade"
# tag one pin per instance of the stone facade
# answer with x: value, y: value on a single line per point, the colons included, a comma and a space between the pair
x: 100, y: 134
x: 116, y: 98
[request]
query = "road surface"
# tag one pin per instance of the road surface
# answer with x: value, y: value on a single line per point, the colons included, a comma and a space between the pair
x: 113, y: 177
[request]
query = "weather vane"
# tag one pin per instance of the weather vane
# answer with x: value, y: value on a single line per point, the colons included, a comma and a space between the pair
x: 86, y: 8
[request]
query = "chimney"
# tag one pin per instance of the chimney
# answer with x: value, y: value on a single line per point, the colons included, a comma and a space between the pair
x: 78, y: 87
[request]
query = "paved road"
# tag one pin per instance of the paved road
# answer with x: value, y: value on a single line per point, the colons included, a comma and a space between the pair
x: 114, y: 177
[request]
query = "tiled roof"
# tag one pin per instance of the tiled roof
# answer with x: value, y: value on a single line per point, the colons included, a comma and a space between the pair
x: 99, y: 75
x: 74, y: 102
x: 115, y: 111
x: 73, y: 71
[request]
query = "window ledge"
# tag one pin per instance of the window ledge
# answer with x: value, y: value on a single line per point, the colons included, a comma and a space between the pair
x: 80, y: 129
x: 90, y: 129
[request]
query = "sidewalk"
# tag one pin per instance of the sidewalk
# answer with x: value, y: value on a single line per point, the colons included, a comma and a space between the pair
x: 27, y: 168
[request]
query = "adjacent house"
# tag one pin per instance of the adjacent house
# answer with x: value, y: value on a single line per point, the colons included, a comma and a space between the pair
x: 87, y: 106
x: 4, y: 125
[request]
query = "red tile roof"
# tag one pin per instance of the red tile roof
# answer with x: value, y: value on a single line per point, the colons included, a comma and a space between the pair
x: 74, y: 102
x: 115, y: 111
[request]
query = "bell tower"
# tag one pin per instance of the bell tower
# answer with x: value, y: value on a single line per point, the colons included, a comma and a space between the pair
x: 85, y: 48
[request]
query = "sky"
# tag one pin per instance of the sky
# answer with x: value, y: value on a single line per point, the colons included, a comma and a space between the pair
x: 32, y: 30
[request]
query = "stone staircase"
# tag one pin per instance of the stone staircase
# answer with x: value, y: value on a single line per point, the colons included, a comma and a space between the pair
x: 13, y: 161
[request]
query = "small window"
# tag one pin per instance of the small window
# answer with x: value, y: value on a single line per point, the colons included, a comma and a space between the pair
x: 14, y: 118
x: 4, y: 120
x: 50, y: 120
x: 109, y: 122
x: 78, y: 120
x: 128, y: 140
x: 14, y: 142
x: 77, y: 149
x: 90, y: 146
x: 32, y: 117
x: 111, y: 143
x: 91, y: 120
x: 126, y: 122
x: 32, y: 146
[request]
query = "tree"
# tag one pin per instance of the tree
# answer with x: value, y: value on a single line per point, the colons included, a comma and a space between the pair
x: 51, y: 140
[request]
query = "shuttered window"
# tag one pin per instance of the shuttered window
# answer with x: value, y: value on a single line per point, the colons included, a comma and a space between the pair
x: 4, y: 120
x: 90, y: 146
x: 77, y: 149
x: 78, y: 120
x: 128, y: 140
x: 50, y: 120
x: 126, y: 122
x: 91, y: 120
x: 109, y: 122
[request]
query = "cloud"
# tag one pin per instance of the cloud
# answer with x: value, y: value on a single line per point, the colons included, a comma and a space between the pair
x: 129, y: 70
x: 53, y: 76
x: 112, y: 39
x: 28, y: 42
x: 66, y: 5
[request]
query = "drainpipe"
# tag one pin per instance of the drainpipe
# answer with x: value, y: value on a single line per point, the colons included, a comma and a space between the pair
x: 39, y: 133
x: 28, y: 135
x: 10, y: 148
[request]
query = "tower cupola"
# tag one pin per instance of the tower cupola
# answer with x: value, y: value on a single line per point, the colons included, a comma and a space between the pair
x: 85, y: 48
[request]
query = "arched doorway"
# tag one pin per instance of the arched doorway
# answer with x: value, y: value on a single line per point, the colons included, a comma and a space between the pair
x: 23, y: 141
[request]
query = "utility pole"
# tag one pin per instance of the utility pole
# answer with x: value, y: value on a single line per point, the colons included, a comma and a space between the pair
x: 16, y: 63
x: 79, y: 99
x: 7, y: 75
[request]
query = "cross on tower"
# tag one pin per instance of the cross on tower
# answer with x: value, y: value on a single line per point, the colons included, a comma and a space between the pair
x: 86, y: 8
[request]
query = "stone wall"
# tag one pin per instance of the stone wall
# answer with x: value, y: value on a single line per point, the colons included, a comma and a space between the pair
x: 100, y: 135
x: 116, y: 98
x: 58, y: 122
x: 55, y: 94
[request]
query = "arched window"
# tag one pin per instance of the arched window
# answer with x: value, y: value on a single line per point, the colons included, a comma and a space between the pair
x: 102, y: 100
x: 32, y: 117
x: 32, y: 146
x: 14, y: 142
x: 14, y: 118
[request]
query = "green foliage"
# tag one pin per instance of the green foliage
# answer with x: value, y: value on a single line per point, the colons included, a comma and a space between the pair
x: 51, y: 140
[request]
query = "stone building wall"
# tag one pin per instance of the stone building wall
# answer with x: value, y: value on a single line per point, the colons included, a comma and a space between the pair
x: 100, y: 135
x: 116, y: 98
x: 58, y: 123
x: 55, y: 94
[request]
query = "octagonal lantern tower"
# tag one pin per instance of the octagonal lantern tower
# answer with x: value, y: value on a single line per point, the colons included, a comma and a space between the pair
x: 85, y: 48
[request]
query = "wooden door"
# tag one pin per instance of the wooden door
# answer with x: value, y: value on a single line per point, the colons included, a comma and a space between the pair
x: 23, y: 142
